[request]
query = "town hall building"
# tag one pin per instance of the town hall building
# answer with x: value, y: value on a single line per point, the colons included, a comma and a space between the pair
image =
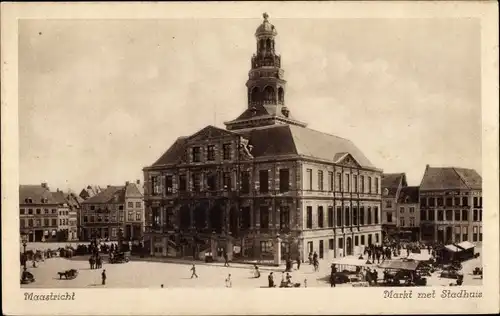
x: 265, y: 187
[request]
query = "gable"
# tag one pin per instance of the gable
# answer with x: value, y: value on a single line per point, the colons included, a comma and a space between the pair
x: 210, y: 132
x: 347, y: 160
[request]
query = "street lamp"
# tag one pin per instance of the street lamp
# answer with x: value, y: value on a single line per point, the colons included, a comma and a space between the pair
x: 24, y: 240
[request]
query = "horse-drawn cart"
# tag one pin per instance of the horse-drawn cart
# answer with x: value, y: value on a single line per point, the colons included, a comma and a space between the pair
x: 120, y: 257
x: 68, y: 274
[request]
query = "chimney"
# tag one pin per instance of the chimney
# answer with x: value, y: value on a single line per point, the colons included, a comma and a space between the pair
x: 44, y: 185
x: 426, y: 167
x: 127, y: 183
x: 138, y: 181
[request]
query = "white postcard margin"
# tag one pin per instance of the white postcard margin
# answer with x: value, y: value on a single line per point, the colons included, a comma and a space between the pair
x: 236, y: 301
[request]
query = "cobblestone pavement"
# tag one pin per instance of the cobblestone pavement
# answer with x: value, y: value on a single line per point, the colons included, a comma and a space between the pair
x: 146, y: 273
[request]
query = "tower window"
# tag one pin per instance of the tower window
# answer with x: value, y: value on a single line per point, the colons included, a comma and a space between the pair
x: 269, y: 93
x: 281, y: 94
x: 254, y: 95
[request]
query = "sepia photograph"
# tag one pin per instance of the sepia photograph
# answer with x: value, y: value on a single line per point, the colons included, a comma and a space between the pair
x: 253, y: 151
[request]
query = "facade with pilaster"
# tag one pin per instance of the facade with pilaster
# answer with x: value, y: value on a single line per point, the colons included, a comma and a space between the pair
x: 451, y: 205
x: 266, y: 186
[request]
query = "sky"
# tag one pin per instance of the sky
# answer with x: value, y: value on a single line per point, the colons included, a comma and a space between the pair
x: 101, y: 99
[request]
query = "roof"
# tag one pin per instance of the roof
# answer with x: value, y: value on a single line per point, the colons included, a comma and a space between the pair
x: 450, y: 178
x: 399, y: 264
x: 465, y: 245
x: 350, y: 261
x: 36, y: 193
x: 393, y: 180
x: 60, y: 197
x: 419, y: 256
x: 409, y: 195
x: 131, y: 190
x: 452, y: 248
x: 282, y: 140
x: 108, y: 195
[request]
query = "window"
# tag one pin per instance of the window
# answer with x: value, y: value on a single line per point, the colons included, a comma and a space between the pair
x: 423, y: 202
x: 211, y: 152
x: 401, y: 221
x: 376, y: 185
x: 389, y: 217
x: 362, y: 240
x: 457, y: 201
x: 457, y: 233
x: 440, y: 215
x: 432, y: 202
x: 401, y: 210
x: 370, y: 185
x: 309, y: 179
x: 347, y: 216
x: 60, y: 221
x: 182, y: 183
x: 155, y: 184
x: 355, y: 183
x: 465, y: 234
x: 309, y: 217
x: 432, y: 215
x: 449, y: 215
x: 226, y: 151
x: 226, y: 181
x: 423, y: 215
x: 480, y: 233
x: 369, y: 219
x: 320, y: 180
x: 30, y: 223
x: 480, y: 201
x: 169, y: 185
x: 377, y: 240
x: 412, y: 221
x: 284, y: 180
x: 45, y: 222
x: 356, y: 240
x: 465, y: 201
x: 264, y: 181
x: 54, y: 211
x: 341, y: 243
x: 474, y: 233
x: 196, y: 154
x: 412, y: 210
x: 376, y: 214
x: 196, y: 181
x: 480, y: 215
x: 114, y: 231
x: 475, y: 201
x: 362, y: 182
x: 331, y: 243
x: 465, y: 215
x: 54, y: 221
x: 99, y: 218
x: 46, y: 211
x: 355, y: 215
x: 245, y: 182
x: 320, y: 217
x: 361, y: 215
x: 264, y: 217
x: 449, y: 201
x: 38, y: 211
x: 121, y: 216
x: 85, y: 219
x: 284, y: 217
x: 457, y: 215
x: 330, y: 216
x: 22, y: 211
x: 338, y: 182
x: 266, y: 247
x: 339, y: 216
x: 130, y: 204
x: 138, y: 216
x: 330, y: 181
x: 245, y: 218
x: 347, y: 183
x: 475, y: 215
x: 439, y: 201
x: 120, y: 207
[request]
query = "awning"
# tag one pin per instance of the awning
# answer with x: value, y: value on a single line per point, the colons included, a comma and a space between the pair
x: 399, y: 265
x: 419, y: 256
x: 452, y: 248
x: 465, y: 245
x: 350, y: 261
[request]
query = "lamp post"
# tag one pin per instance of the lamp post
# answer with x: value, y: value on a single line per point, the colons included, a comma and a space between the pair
x: 24, y: 240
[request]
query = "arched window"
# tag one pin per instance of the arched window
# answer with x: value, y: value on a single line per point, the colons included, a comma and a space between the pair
x: 254, y: 95
x: 281, y: 94
x: 269, y: 93
x: 268, y: 44
x: 262, y: 44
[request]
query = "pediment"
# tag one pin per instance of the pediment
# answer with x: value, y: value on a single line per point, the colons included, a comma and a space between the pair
x: 347, y: 160
x: 210, y: 132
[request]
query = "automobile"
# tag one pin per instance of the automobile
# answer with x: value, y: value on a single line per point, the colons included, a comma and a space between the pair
x: 451, y: 274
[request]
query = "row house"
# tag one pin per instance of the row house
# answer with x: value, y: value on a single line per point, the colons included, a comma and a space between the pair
x: 392, y: 184
x: 451, y: 205
x: 42, y: 217
x: 408, y: 213
x: 265, y: 187
x: 67, y: 216
x: 111, y: 210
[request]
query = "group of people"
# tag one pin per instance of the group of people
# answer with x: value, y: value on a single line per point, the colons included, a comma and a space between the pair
x: 313, y: 259
x: 95, y: 262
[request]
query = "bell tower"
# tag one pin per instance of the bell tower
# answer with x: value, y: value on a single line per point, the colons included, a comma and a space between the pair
x: 266, y: 85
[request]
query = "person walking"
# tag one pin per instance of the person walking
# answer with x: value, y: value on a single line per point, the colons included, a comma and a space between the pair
x: 298, y: 261
x: 270, y: 279
x: 91, y: 262
x: 226, y: 262
x: 193, y: 269
x: 103, y: 277
x: 229, y: 283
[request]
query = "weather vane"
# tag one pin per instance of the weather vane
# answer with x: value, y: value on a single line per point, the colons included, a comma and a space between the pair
x: 266, y: 16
